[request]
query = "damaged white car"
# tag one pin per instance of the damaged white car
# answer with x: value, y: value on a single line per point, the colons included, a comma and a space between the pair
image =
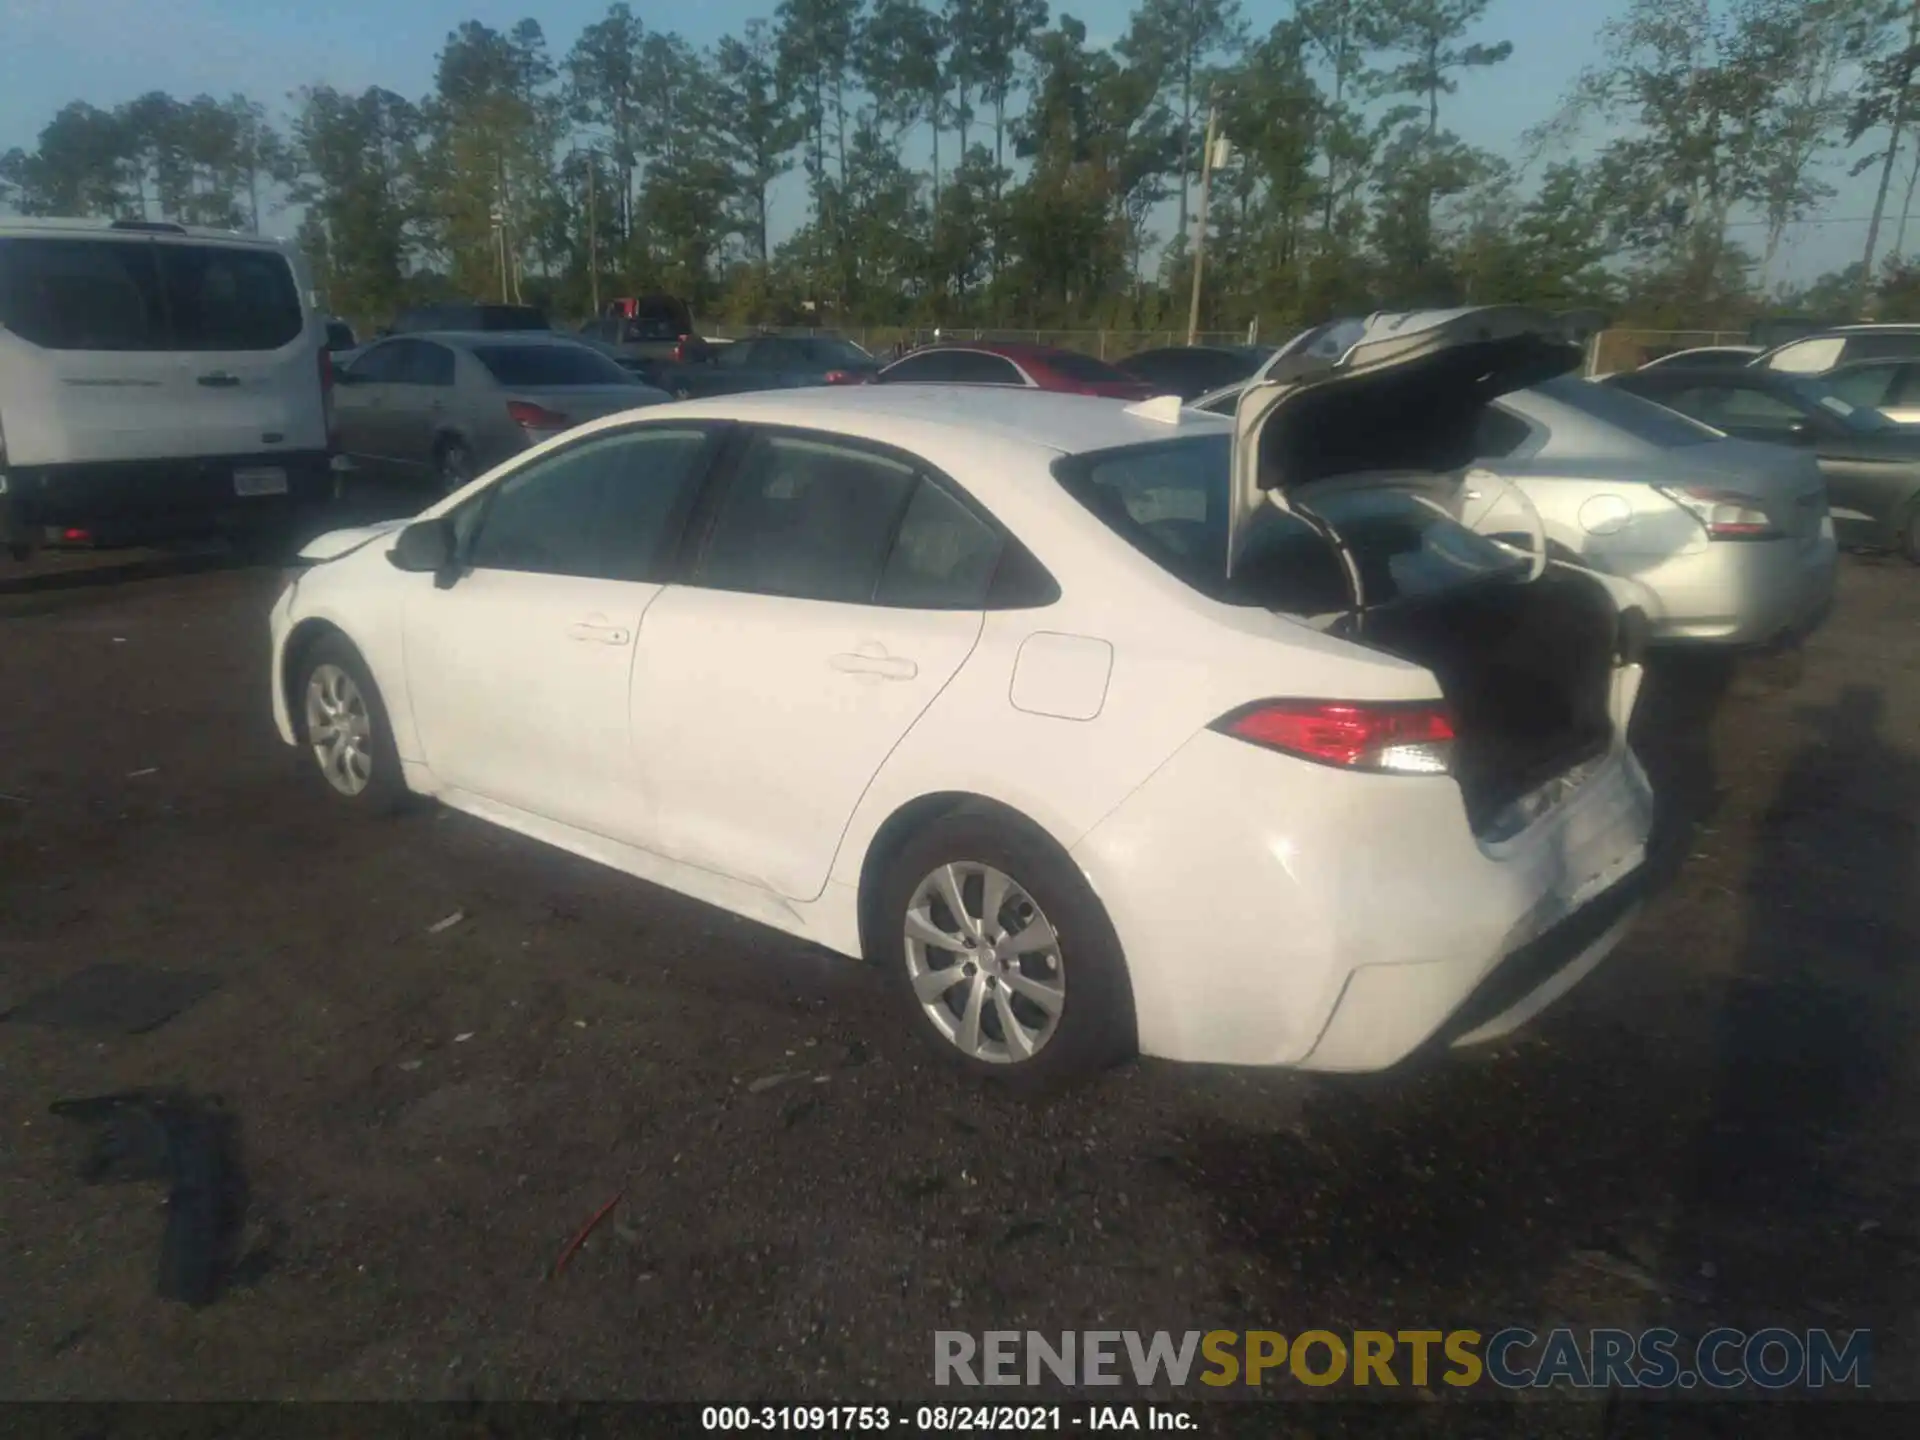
x: 1104, y: 729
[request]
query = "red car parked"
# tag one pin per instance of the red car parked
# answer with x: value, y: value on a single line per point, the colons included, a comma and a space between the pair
x: 1034, y: 367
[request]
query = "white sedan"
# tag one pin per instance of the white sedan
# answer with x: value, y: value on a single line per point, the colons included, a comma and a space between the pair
x: 1104, y: 729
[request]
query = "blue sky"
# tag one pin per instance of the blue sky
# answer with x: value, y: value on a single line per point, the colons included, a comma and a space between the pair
x: 107, y: 51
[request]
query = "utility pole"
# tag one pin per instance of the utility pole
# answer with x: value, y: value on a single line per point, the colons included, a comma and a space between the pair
x: 1200, y: 231
x: 593, y: 229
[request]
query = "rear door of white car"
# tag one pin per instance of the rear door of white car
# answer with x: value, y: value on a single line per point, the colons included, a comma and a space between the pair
x: 518, y: 671
x: 836, y: 590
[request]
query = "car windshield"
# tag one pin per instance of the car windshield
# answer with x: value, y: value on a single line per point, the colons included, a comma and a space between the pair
x: 545, y: 366
x: 1170, y: 500
x: 1820, y: 394
x: 1654, y: 424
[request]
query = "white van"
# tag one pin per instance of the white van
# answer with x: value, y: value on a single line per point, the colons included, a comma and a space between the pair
x: 156, y: 380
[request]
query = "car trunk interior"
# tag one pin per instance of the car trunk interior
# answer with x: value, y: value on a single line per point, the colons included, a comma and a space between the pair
x: 1526, y: 667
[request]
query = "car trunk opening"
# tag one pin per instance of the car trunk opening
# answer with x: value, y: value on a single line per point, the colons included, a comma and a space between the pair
x: 1525, y: 662
x: 1367, y: 453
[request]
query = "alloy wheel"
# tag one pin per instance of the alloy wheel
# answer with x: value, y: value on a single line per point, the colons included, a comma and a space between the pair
x: 985, y: 963
x: 340, y: 729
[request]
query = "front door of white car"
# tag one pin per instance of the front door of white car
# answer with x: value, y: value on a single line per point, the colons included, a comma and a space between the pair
x: 838, y: 589
x: 520, y: 671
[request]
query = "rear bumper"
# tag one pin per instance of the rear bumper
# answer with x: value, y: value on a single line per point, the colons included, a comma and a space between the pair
x: 124, y: 501
x: 1274, y: 912
x: 1741, y: 594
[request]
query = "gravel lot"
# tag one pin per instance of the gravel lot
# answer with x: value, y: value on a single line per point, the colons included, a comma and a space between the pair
x: 1718, y: 1127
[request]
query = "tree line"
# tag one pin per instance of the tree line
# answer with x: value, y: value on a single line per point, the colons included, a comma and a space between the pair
x: 983, y: 162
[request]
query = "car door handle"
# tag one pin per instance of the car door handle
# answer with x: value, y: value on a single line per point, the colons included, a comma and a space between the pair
x: 219, y: 380
x: 887, y: 667
x: 599, y: 632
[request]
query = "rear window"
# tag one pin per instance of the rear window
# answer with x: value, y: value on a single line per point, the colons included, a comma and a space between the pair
x: 1075, y: 366
x: 536, y: 366
x: 1170, y: 501
x: 1647, y: 422
x: 66, y: 293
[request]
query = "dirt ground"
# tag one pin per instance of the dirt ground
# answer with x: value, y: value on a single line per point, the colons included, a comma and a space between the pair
x: 1720, y: 1126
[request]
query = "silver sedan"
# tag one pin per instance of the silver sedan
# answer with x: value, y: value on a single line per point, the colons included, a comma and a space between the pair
x: 1719, y: 541
x: 440, y: 408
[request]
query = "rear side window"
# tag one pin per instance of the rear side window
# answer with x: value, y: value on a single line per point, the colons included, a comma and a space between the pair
x: 537, y: 366
x: 807, y: 519
x: 943, y: 557
x: 68, y: 293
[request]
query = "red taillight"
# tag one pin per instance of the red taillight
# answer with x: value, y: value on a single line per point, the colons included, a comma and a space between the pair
x: 680, y: 351
x: 529, y: 416
x: 1405, y: 738
x: 74, y: 535
x: 841, y: 377
x: 1726, y: 514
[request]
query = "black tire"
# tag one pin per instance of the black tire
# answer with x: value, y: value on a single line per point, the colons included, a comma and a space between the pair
x: 457, y: 465
x: 1094, y: 1028
x: 384, y: 790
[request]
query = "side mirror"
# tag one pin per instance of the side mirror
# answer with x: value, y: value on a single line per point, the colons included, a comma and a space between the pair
x: 426, y: 547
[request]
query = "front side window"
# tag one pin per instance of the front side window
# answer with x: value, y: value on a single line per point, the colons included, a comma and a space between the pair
x: 427, y: 364
x: 609, y: 508
x: 808, y: 519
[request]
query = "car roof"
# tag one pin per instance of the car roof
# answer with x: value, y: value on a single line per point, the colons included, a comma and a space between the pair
x: 1007, y: 349
x: 36, y: 225
x: 499, y: 337
x: 1065, y: 424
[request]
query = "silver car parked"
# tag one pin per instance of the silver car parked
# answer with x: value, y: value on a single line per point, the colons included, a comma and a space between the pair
x: 1719, y: 541
x: 440, y: 408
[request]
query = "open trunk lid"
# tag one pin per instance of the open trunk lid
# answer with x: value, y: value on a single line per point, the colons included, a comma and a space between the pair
x: 1395, y: 395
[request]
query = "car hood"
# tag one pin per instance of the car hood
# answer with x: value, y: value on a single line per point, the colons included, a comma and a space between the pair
x: 1393, y: 392
x: 337, y: 543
